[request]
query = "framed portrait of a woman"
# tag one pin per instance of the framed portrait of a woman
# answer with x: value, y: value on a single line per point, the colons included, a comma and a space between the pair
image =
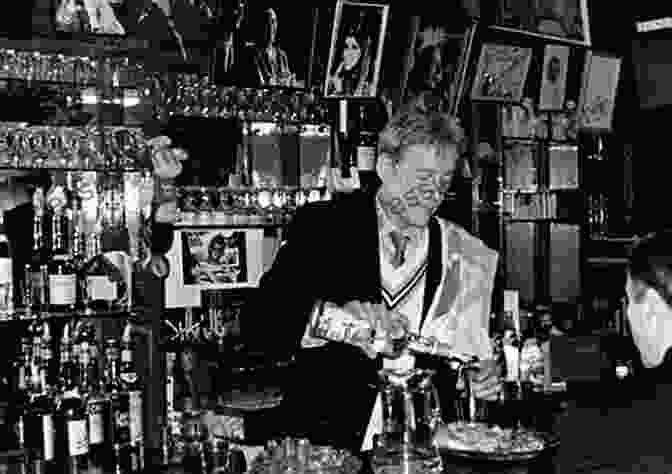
x: 356, y: 49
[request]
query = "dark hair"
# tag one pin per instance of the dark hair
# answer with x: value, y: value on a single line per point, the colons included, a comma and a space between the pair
x: 650, y: 262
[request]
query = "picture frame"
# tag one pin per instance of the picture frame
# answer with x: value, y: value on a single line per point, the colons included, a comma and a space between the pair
x: 212, y: 258
x: 567, y: 21
x: 501, y: 73
x: 437, y: 61
x: 258, y: 46
x: 356, y: 50
x: 554, y: 77
x: 597, y: 99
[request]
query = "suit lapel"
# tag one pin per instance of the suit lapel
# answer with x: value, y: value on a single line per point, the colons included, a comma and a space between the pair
x: 434, y: 267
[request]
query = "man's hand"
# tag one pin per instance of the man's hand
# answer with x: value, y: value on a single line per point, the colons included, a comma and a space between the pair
x: 392, y: 324
x: 486, y: 383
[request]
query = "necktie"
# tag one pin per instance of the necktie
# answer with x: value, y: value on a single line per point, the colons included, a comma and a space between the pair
x: 399, y: 243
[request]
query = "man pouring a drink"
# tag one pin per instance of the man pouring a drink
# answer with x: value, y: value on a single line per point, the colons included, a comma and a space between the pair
x: 361, y: 280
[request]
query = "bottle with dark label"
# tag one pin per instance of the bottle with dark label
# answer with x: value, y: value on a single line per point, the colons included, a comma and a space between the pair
x: 39, y: 420
x: 365, y: 137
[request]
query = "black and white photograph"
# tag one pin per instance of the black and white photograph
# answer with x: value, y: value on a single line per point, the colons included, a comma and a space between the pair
x: 356, y: 49
x: 179, y: 26
x: 501, y: 73
x: 213, y: 257
x: 565, y: 19
x: 436, y: 60
x: 554, y: 77
x: 264, y: 43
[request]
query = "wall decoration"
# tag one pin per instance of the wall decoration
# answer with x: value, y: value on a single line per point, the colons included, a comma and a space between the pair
x: 437, y: 60
x: 554, y: 77
x: 262, y: 47
x: 598, y: 94
x: 356, y: 50
x: 180, y: 28
x: 553, y: 19
x: 212, y: 258
x: 501, y: 73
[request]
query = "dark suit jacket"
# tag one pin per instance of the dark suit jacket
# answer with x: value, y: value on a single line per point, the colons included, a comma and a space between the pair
x: 330, y: 253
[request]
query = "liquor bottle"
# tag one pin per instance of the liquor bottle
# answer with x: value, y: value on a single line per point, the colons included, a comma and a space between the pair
x: 35, y: 288
x: 346, y: 178
x: 130, y: 384
x: 97, y: 405
x: 335, y: 324
x: 365, y: 137
x: 39, y: 419
x: 62, y: 279
x: 73, y: 423
x: 6, y: 273
x: 102, y: 278
x: 119, y: 406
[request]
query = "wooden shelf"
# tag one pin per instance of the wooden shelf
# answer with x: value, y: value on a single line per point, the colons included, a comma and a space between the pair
x: 21, y: 315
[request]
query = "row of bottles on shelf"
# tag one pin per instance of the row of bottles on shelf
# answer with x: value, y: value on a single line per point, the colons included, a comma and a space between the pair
x: 89, y: 148
x: 67, y: 412
x: 67, y: 269
x: 244, y: 206
x: 194, y: 95
x: 525, y: 205
x: 76, y: 70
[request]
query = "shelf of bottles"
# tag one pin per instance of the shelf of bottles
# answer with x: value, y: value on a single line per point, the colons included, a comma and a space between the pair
x: 73, y: 148
x: 88, y: 230
x: 77, y: 401
x: 197, y: 96
x: 243, y: 207
x: 35, y: 66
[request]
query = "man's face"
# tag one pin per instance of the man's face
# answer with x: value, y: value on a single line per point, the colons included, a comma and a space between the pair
x: 414, y: 187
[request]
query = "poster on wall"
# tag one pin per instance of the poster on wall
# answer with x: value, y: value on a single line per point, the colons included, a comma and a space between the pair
x: 356, y: 49
x: 501, y: 73
x: 554, y: 77
x: 212, y: 258
x: 553, y: 19
x: 598, y: 94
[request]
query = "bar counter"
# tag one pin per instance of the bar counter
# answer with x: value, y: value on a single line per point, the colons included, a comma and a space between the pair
x: 600, y: 427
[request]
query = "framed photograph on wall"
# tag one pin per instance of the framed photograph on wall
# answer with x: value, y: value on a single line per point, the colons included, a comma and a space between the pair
x: 212, y: 258
x: 554, y: 77
x: 567, y: 20
x: 598, y: 93
x: 356, y: 49
x: 437, y: 61
x: 258, y: 44
x: 501, y: 73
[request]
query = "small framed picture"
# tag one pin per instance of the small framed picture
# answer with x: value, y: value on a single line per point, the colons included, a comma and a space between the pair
x: 501, y: 73
x: 356, y: 49
x: 554, y: 77
x: 212, y: 258
x: 598, y: 93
